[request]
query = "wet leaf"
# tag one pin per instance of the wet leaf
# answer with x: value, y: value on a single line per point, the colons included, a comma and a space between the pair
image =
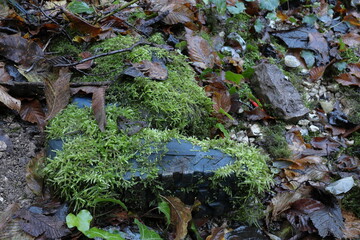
x: 4, y: 75
x: 340, y: 186
x: 37, y: 224
x: 20, y: 50
x: 98, y: 106
x: 81, y: 25
x: 269, y: 4
x: 257, y: 114
x: 57, y: 93
x: 180, y: 216
x: 309, y: 58
x: 32, y: 111
x: 222, y: 100
x: 146, y: 233
x: 326, y: 143
x: 9, y: 101
x: 238, y: 8
x: 200, y: 51
x: 33, y: 176
x: 76, y: 6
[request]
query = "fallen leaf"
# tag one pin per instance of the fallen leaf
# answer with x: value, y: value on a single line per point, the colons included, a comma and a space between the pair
x: 147, y: 233
x: 57, y: 93
x: 20, y: 50
x: 352, y: 226
x: 348, y: 79
x: 37, y: 224
x: 317, y: 72
x: 178, y: 13
x: 9, y: 101
x: 31, y: 111
x: 33, y: 176
x: 4, y: 75
x: 257, y: 114
x: 326, y: 143
x: 87, y: 64
x: 347, y: 163
x: 6, y: 215
x: 351, y: 39
x: 340, y: 186
x: 200, y: 51
x: 153, y: 70
x: 81, y: 25
x: 180, y: 216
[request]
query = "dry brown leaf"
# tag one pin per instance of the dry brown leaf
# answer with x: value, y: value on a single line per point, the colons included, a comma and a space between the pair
x: 4, y: 76
x: 153, y: 70
x: 200, y: 51
x: 351, y: 39
x: 180, y: 216
x: 9, y: 101
x: 98, y: 106
x: 352, y: 226
x: 317, y: 72
x: 57, y: 93
x: 81, y: 25
x: 87, y: 64
x: 34, y: 178
x: 178, y: 13
x: 7, y: 214
x: 32, y: 111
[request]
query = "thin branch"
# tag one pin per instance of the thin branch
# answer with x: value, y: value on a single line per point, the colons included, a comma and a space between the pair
x: 41, y: 84
x: 102, y: 55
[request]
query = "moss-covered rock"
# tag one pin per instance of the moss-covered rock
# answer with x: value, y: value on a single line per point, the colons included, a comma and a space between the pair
x: 95, y: 164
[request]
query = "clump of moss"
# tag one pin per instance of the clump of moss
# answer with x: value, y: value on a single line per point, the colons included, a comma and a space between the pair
x: 275, y: 143
x: 95, y: 164
x: 351, y: 201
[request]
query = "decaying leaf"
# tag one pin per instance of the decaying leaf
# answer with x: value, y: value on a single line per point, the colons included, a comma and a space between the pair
x: 87, y: 64
x: 4, y: 75
x: 98, y: 102
x: 57, y: 93
x: 257, y: 114
x: 200, y: 51
x: 178, y: 13
x: 351, y: 78
x: 9, y: 101
x: 351, y: 39
x: 20, y: 50
x: 352, y: 226
x: 34, y: 179
x: 153, y: 70
x: 7, y: 214
x: 81, y: 25
x: 32, y: 111
x: 180, y: 216
x: 37, y: 224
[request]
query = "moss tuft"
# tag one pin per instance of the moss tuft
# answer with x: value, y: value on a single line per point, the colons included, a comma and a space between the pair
x: 275, y: 143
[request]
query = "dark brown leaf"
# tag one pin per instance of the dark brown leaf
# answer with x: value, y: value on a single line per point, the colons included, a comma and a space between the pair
x: 37, y: 224
x: 180, y: 216
x: 82, y: 25
x: 153, y: 70
x: 9, y: 101
x: 325, y: 143
x: 57, y: 92
x: 34, y: 178
x: 347, y: 79
x: 4, y: 75
x: 351, y: 39
x: 318, y: 43
x: 178, y: 13
x: 317, y: 72
x: 200, y: 51
x: 257, y: 114
x: 32, y: 111
x: 98, y: 106
x: 87, y: 64
x: 352, y: 226
x: 20, y: 50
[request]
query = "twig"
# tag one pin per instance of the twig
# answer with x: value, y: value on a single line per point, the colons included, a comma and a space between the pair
x: 117, y: 10
x: 41, y: 84
x: 102, y: 55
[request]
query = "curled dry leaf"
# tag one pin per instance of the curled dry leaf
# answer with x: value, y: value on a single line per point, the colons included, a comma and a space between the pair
x: 9, y: 101
x: 32, y: 111
x: 57, y: 92
x: 81, y: 25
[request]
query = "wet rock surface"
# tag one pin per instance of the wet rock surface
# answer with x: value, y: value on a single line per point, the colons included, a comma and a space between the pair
x: 272, y: 87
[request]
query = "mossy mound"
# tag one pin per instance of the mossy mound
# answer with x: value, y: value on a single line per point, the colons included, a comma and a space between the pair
x: 176, y: 103
x: 93, y: 164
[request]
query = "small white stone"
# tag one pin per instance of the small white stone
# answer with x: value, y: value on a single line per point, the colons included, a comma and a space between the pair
x: 3, y: 146
x: 1, y: 199
x: 307, y: 84
x: 313, y: 117
x: 349, y: 142
x: 288, y: 127
x: 255, y: 130
x: 291, y: 61
x: 327, y: 106
x: 222, y: 34
x: 304, y: 132
x: 314, y: 128
x: 304, y: 122
x: 333, y: 87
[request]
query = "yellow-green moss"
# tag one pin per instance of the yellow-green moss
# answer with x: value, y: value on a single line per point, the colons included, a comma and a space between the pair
x: 93, y: 164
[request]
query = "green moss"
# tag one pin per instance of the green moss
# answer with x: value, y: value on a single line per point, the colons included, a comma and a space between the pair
x: 351, y: 201
x: 62, y: 47
x: 349, y: 54
x: 275, y: 142
x: 177, y: 102
x: 352, y: 99
x: 94, y: 164
x: 157, y: 38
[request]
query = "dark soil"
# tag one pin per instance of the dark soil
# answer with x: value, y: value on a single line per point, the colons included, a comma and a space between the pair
x: 20, y: 141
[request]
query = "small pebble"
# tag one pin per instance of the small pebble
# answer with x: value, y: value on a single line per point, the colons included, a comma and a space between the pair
x: 313, y: 117
x: 333, y: 87
x: 292, y: 61
x: 255, y: 131
x: 3, y: 146
x: 304, y: 122
x: 314, y: 128
x: 327, y: 106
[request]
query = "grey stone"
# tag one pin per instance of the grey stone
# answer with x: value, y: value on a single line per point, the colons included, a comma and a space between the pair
x: 271, y: 86
x: 3, y: 146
